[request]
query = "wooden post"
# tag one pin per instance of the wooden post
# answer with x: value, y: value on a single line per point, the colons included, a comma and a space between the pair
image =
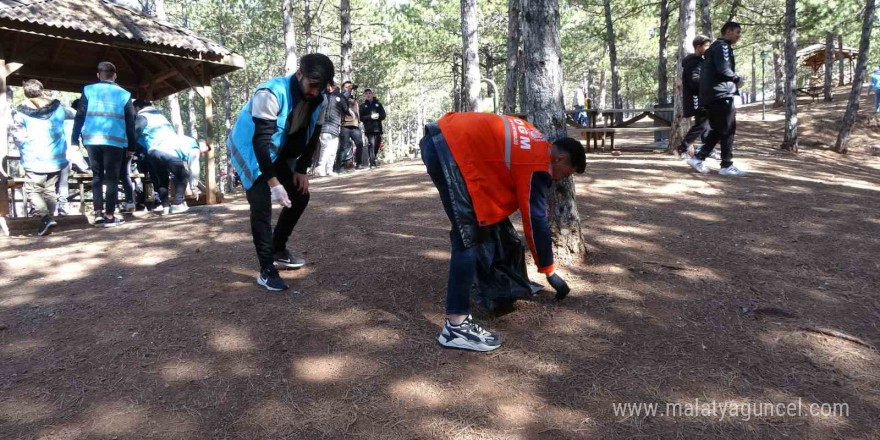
x: 4, y: 147
x: 210, y: 174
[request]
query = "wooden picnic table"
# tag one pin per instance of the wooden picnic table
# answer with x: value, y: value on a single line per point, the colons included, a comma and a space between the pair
x: 609, y: 128
x: 813, y: 92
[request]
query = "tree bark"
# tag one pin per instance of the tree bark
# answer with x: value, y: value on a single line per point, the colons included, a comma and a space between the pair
x: 841, y: 73
x: 543, y: 56
x: 191, y: 113
x: 734, y: 7
x: 173, y: 100
x: 612, y: 54
x: 706, y: 14
x: 753, y: 94
x: 590, y: 95
x: 513, y: 54
x: 790, y: 139
x: 307, y: 24
x: 829, y: 65
x: 291, y: 60
x: 852, y: 107
x: 470, y: 57
x: 602, y: 90
x: 456, y: 84
x: 662, y: 75
x: 778, y: 76
x: 523, y: 95
x: 686, y: 34
x: 345, y: 40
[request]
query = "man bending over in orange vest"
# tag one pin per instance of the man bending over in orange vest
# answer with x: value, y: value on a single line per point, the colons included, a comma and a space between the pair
x: 486, y: 167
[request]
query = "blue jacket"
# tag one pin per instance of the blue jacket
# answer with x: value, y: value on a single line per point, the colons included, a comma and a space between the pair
x: 240, y: 141
x: 42, y: 143
x: 875, y: 81
x: 105, y: 115
x: 155, y: 132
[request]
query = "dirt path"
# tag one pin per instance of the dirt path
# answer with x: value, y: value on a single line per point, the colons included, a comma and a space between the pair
x: 698, y: 287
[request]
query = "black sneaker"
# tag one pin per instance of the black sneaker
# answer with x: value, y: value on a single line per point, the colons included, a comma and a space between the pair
x: 468, y: 336
x: 99, y: 218
x: 270, y: 279
x: 62, y: 211
x: 45, y: 224
x: 285, y: 260
x: 113, y: 222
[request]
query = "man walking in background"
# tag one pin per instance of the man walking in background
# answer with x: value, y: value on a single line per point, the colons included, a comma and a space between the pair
x: 875, y: 87
x: 719, y: 83
x: 105, y: 121
x: 690, y: 80
x: 373, y: 113
x: 336, y: 106
x: 351, y: 130
x: 39, y: 130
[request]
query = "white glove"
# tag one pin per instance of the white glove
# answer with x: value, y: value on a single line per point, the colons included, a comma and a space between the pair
x: 279, y: 195
x: 375, y: 116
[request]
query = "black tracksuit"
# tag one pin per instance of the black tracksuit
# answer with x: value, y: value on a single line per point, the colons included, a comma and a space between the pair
x: 373, y: 127
x: 718, y: 86
x: 690, y: 80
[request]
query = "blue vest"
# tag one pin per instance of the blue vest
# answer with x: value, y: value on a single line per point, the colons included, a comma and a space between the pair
x: 105, y: 118
x: 240, y: 140
x: 45, y: 149
x: 158, y: 134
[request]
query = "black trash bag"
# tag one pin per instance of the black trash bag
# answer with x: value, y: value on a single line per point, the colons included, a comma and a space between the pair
x: 501, y: 268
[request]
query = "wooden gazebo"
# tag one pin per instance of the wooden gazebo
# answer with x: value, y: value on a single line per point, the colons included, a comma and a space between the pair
x: 60, y: 42
x: 814, y: 55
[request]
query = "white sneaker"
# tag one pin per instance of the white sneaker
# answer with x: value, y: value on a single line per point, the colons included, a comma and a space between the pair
x: 685, y: 155
x: 731, y: 171
x: 715, y: 155
x: 165, y: 210
x: 468, y: 336
x: 128, y: 207
x: 179, y: 209
x: 698, y: 165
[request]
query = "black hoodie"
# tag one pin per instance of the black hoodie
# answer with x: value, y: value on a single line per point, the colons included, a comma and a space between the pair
x: 718, y: 78
x: 690, y: 81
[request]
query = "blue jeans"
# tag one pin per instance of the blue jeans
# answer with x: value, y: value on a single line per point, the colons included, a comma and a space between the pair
x: 463, y: 262
x: 877, y: 100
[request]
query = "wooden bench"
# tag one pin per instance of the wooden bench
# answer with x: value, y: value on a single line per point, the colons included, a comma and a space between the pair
x: 813, y: 92
x: 600, y: 133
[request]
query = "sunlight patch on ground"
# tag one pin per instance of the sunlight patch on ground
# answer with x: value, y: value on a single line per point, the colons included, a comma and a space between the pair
x: 332, y: 368
x: 17, y: 300
x: 23, y: 409
x: 23, y: 346
x: 117, y: 418
x: 185, y: 370
x: 514, y: 414
x: 230, y: 339
x: 702, y: 215
x: 436, y: 254
x: 419, y: 393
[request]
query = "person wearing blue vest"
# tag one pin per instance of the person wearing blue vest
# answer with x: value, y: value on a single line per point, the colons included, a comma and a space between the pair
x: 271, y: 147
x: 39, y: 131
x: 167, y: 152
x: 875, y: 87
x: 105, y: 121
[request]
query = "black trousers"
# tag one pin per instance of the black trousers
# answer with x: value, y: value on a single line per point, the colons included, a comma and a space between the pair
x: 722, y: 121
x: 106, y: 162
x: 697, y: 131
x: 348, y: 134
x: 259, y: 197
x: 374, y: 141
x: 163, y: 164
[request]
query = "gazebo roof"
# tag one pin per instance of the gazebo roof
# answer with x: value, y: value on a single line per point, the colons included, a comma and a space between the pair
x: 814, y: 54
x: 61, y: 42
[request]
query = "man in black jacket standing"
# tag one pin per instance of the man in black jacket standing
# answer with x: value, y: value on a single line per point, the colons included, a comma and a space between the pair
x: 690, y: 80
x: 372, y: 115
x: 719, y: 83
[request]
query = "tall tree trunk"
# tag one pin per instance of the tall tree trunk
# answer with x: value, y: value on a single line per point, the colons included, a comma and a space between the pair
x: 612, y: 54
x: 841, y: 74
x: 829, y: 65
x: 590, y: 95
x: 521, y: 59
x: 855, y: 94
x: 471, y: 61
x: 173, y: 100
x: 191, y: 114
x: 307, y: 24
x: 706, y: 17
x: 546, y: 111
x: 456, y: 83
x: 790, y: 140
x: 662, y: 80
x: 513, y: 54
x: 603, y: 99
x: 686, y: 33
x: 291, y: 60
x: 734, y: 8
x: 778, y: 76
x: 754, y: 92
x: 345, y: 40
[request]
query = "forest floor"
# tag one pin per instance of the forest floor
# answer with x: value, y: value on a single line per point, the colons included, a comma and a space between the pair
x: 697, y: 289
